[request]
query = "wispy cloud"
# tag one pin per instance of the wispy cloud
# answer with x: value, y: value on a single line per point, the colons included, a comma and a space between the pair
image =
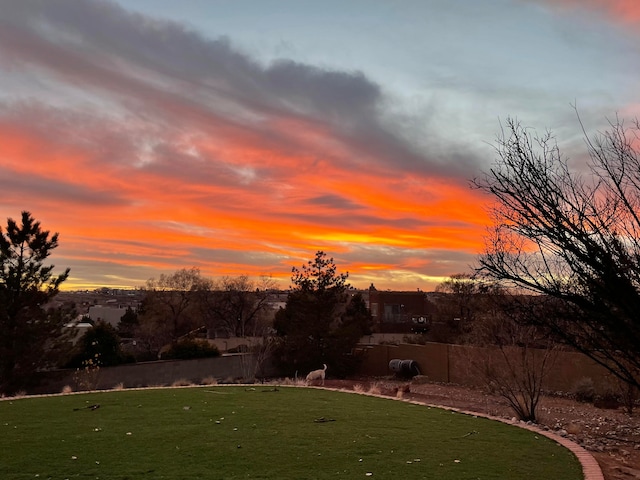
x: 151, y: 146
x: 624, y: 11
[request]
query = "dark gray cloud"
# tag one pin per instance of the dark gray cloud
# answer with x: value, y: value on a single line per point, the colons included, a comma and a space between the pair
x: 155, y: 65
x: 33, y: 190
x: 333, y: 201
x: 188, y: 132
x: 429, y: 262
x: 270, y: 262
x: 354, y: 222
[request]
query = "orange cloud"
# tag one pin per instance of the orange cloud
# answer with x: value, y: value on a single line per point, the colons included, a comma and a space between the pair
x: 279, y: 205
x: 150, y: 162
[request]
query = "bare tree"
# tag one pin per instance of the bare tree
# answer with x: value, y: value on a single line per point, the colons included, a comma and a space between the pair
x: 170, y: 307
x: 238, y: 305
x: 463, y: 297
x: 518, y: 355
x: 572, y: 237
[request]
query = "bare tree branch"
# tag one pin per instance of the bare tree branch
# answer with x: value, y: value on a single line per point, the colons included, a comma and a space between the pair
x: 571, y: 236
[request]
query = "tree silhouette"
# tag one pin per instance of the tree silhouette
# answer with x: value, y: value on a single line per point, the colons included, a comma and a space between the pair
x: 572, y: 238
x: 170, y: 308
x: 237, y: 305
x: 320, y: 323
x: 28, y: 331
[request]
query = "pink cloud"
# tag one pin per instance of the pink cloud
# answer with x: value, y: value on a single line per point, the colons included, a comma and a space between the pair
x: 623, y: 11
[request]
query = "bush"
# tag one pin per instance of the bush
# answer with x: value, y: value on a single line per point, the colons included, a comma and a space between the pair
x: 99, y: 344
x: 584, y: 390
x: 191, y: 348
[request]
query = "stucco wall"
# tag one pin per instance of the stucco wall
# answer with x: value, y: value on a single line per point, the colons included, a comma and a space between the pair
x: 439, y: 362
x: 455, y: 364
x: 157, y: 373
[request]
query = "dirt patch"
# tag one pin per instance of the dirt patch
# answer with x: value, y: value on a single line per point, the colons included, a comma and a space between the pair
x: 610, y: 435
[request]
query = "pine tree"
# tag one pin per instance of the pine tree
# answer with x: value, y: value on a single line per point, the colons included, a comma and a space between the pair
x: 321, y: 323
x: 28, y: 331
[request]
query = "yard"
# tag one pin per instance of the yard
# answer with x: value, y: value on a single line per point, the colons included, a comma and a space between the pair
x: 262, y: 431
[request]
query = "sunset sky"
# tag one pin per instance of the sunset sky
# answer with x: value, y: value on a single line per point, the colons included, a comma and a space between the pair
x: 241, y: 136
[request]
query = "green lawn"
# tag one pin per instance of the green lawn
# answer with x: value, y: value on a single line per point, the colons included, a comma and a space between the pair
x: 242, y: 432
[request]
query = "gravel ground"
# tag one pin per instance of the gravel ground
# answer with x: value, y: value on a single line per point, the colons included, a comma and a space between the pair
x: 611, y: 435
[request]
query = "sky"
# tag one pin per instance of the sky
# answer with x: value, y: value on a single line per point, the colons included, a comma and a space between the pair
x: 242, y: 136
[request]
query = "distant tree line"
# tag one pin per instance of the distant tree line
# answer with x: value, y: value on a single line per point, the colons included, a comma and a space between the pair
x: 321, y: 322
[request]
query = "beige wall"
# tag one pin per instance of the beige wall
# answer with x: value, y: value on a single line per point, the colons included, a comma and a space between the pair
x: 157, y: 373
x: 452, y: 364
x: 439, y: 362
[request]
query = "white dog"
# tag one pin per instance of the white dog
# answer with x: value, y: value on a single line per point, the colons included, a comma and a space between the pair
x: 317, y: 374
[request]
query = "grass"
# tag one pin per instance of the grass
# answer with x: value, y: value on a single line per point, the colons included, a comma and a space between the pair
x: 218, y: 432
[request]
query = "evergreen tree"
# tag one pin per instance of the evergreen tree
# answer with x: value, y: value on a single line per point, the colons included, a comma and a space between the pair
x: 28, y: 331
x: 128, y: 323
x: 101, y: 345
x: 320, y: 323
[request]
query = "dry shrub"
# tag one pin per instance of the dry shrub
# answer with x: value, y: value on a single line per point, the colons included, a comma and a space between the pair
x: 182, y: 382
x: 514, y: 362
x: 87, y: 377
x: 584, y: 390
x: 118, y: 386
x: 574, y: 428
x: 209, y: 381
x: 358, y: 388
x: 406, y: 388
x: 67, y: 389
x: 375, y: 388
x: 294, y: 381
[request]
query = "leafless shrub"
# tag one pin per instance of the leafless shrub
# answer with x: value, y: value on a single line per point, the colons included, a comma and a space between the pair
x: 299, y: 382
x: 584, y: 390
x: 209, y: 381
x: 614, y: 393
x: 253, y: 364
x: 515, y: 363
x: 375, y: 388
x: 87, y: 377
x: 182, y: 382
x: 630, y: 396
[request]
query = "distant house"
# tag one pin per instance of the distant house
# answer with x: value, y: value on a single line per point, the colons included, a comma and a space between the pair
x: 399, y: 311
x: 78, y: 328
x: 107, y: 314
